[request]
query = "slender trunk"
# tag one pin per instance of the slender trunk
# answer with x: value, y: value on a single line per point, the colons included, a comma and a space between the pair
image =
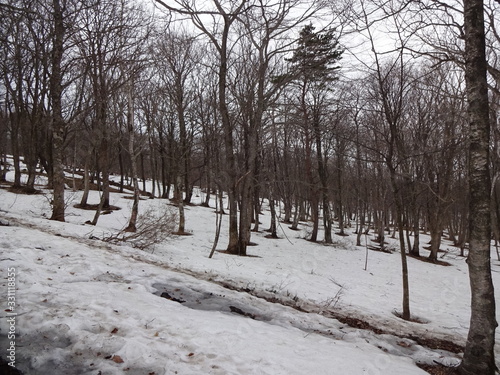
x: 404, y: 264
x: 132, y: 224
x: 323, y: 178
x: 340, y: 207
x: 180, y: 206
x: 218, y: 222
x: 104, y: 156
x: 315, y: 219
x: 120, y: 163
x: 415, y: 249
x: 152, y: 162
x: 86, y: 183
x: 230, y: 171
x: 361, y: 220
x: 143, y: 173
x: 408, y: 239
x: 15, y: 150
x: 272, y: 229
x: 256, y: 195
x: 58, y: 126
x: 99, y: 210
x: 3, y: 172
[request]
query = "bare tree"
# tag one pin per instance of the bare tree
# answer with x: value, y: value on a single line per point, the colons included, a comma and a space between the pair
x: 221, y: 17
x: 58, y: 124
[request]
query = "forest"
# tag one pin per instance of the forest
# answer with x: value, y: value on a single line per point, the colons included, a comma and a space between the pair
x: 347, y: 114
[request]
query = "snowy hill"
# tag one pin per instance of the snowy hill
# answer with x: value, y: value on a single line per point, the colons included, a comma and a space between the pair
x: 85, y: 306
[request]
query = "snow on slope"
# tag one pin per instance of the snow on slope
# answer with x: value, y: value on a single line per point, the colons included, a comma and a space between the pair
x: 81, y: 301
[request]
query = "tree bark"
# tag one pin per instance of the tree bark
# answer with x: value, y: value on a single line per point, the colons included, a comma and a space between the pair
x: 86, y: 183
x: 479, y: 356
x: 132, y: 224
x: 57, y: 119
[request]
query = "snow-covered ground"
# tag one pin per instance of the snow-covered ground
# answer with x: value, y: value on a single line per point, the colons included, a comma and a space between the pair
x: 85, y: 306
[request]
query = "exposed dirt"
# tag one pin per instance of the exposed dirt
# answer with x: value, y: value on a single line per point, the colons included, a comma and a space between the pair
x: 24, y: 190
x: 93, y: 207
x: 431, y: 343
x: 439, y: 369
x: 427, y: 260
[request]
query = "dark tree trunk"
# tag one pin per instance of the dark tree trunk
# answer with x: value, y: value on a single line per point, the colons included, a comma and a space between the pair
x: 233, y: 245
x: 400, y: 227
x: 86, y: 183
x: 57, y: 119
x: 14, y: 137
x: 120, y: 164
x: 314, y: 218
x: 272, y: 228
x: 435, y: 243
x: 104, y: 158
x: 415, y: 249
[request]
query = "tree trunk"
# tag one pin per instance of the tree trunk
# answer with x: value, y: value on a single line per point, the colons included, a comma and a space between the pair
x: 233, y: 244
x: 15, y: 149
x: 120, y: 164
x: 104, y: 158
x: 479, y: 356
x: 132, y: 224
x: 435, y: 243
x: 272, y: 228
x: 415, y: 249
x: 3, y: 171
x: 58, y: 204
x: 399, y: 222
x: 180, y: 206
x: 361, y: 220
x: 86, y: 183
x: 299, y: 207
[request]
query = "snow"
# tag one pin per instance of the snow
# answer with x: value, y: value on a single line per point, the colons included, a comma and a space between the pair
x: 83, y: 304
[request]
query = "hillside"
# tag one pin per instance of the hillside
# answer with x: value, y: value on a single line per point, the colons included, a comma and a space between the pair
x: 86, y: 306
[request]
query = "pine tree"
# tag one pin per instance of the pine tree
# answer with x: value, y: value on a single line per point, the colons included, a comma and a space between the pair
x: 314, y: 67
x: 317, y: 55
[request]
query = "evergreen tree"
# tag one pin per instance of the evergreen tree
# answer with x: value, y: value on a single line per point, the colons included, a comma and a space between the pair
x: 313, y: 68
x: 317, y: 55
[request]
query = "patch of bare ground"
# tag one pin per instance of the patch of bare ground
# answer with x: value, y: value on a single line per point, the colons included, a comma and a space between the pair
x: 228, y: 253
x: 24, y: 190
x: 130, y: 197
x: 427, y: 260
x: 182, y: 233
x: 93, y: 207
x: 379, y: 249
x: 431, y: 343
x: 438, y: 369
